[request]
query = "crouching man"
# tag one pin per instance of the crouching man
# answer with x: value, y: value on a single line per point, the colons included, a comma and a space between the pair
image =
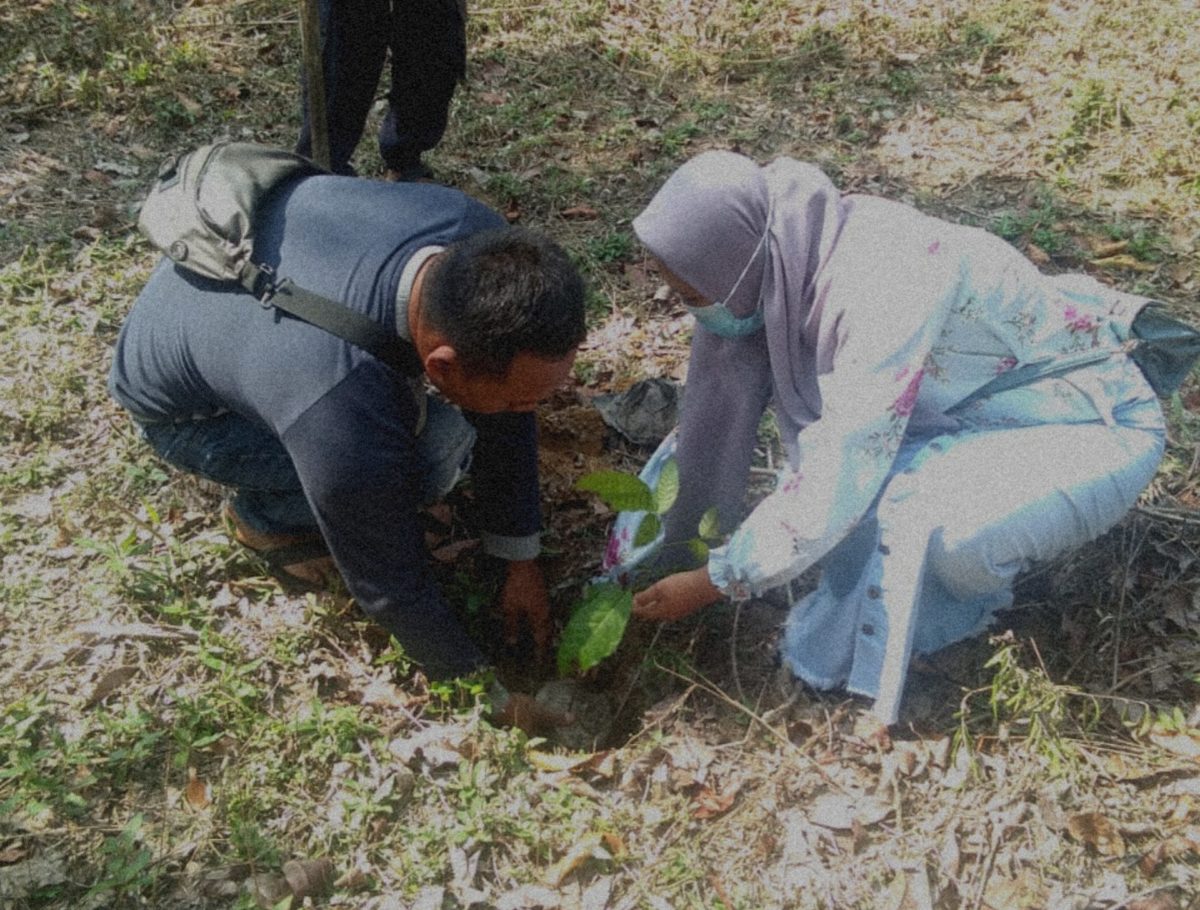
x: 329, y: 452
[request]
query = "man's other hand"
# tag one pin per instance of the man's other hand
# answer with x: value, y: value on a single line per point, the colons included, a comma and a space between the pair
x: 524, y: 601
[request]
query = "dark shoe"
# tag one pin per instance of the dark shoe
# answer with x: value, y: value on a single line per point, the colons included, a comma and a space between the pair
x: 301, y: 562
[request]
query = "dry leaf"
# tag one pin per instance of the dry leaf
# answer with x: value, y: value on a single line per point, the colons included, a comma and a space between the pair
x: 708, y: 803
x: 110, y: 683
x: 308, y: 877
x: 268, y: 890
x: 1124, y: 261
x: 1036, y: 254
x: 1186, y: 744
x: 580, y: 213
x: 1159, y: 900
x: 1103, y: 250
x: 590, y: 845
x: 197, y: 793
x: 1097, y: 832
x: 1174, y: 847
x: 842, y: 813
x: 529, y: 897
x: 553, y: 762
x: 12, y: 854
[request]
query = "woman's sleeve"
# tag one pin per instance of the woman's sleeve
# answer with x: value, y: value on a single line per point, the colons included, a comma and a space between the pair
x: 728, y: 386
x: 883, y: 340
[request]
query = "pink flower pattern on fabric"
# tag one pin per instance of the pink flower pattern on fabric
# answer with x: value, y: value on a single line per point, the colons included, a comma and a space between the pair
x: 1078, y: 322
x: 615, y: 550
x: 792, y: 484
x: 903, y: 406
x: 1005, y: 364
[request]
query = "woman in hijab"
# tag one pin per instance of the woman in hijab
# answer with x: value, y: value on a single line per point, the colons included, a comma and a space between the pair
x: 949, y: 414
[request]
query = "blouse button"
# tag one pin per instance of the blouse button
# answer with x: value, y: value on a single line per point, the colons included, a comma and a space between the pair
x: 868, y: 629
x: 884, y: 549
x: 874, y: 593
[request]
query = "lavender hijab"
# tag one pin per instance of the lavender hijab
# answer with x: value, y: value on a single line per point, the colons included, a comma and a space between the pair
x: 706, y: 225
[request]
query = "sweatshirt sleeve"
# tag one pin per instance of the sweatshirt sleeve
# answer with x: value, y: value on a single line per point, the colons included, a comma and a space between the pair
x: 894, y: 313
x: 355, y: 455
x: 504, y: 475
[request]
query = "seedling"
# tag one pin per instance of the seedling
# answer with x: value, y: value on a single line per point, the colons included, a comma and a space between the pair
x: 598, y: 621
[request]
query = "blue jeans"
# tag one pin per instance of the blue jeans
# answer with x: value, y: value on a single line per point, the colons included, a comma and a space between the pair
x: 268, y: 496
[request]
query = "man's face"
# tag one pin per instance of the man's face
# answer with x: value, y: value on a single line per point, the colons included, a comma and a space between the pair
x: 529, y: 380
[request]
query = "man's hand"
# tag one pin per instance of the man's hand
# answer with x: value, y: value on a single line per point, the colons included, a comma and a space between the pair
x: 528, y: 714
x: 524, y: 597
x: 676, y: 596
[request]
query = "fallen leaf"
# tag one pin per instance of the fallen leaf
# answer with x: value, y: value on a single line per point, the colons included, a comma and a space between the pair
x: 1036, y: 254
x: 308, y: 877
x: 110, y: 683
x: 554, y: 762
x: 529, y: 897
x: 1159, y: 900
x: 1103, y: 250
x: 493, y: 98
x: 709, y: 803
x: 197, y: 793
x: 268, y: 889
x: 589, y: 846
x: 842, y: 813
x: 436, y: 745
x: 12, y: 854
x: 1124, y: 261
x: 580, y: 213
x: 1097, y: 832
x: 1173, y: 847
x: 1180, y: 743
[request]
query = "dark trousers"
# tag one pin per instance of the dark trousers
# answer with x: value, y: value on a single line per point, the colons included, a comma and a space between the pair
x: 427, y: 40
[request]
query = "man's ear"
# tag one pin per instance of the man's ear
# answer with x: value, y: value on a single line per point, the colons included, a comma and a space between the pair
x: 440, y: 363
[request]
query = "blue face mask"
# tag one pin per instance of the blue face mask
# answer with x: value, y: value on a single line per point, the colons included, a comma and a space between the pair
x: 718, y: 318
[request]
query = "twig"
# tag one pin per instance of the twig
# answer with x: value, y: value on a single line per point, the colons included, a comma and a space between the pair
x: 733, y: 640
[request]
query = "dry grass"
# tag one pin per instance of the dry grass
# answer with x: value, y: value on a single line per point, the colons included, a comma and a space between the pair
x: 175, y: 729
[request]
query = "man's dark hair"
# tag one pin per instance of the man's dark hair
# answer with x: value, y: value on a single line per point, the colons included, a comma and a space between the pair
x: 503, y: 291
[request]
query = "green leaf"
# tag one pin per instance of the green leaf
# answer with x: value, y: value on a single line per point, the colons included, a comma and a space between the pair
x: 710, y: 526
x: 667, y: 488
x: 647, y: 530
x: 699, y: 550
x: 595, y: 628
x: 622, y: 492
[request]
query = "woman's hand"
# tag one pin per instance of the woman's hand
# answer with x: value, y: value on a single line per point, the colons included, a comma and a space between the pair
x: 676, y: 596
x: 524, y: 599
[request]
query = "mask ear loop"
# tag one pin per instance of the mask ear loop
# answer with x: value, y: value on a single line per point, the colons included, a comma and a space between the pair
x: 760, y: 247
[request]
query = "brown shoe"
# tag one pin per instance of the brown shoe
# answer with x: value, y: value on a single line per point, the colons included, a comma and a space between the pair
x: 299, y: 561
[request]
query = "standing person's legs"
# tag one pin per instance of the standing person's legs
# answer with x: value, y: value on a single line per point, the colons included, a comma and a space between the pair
x: 354, y: 42
x: 429, y: 57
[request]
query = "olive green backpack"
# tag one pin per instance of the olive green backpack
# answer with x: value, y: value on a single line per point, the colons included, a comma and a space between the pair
x: 200, y: 213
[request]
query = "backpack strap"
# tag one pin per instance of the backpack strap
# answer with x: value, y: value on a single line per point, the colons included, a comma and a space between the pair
x: 333, y: 317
